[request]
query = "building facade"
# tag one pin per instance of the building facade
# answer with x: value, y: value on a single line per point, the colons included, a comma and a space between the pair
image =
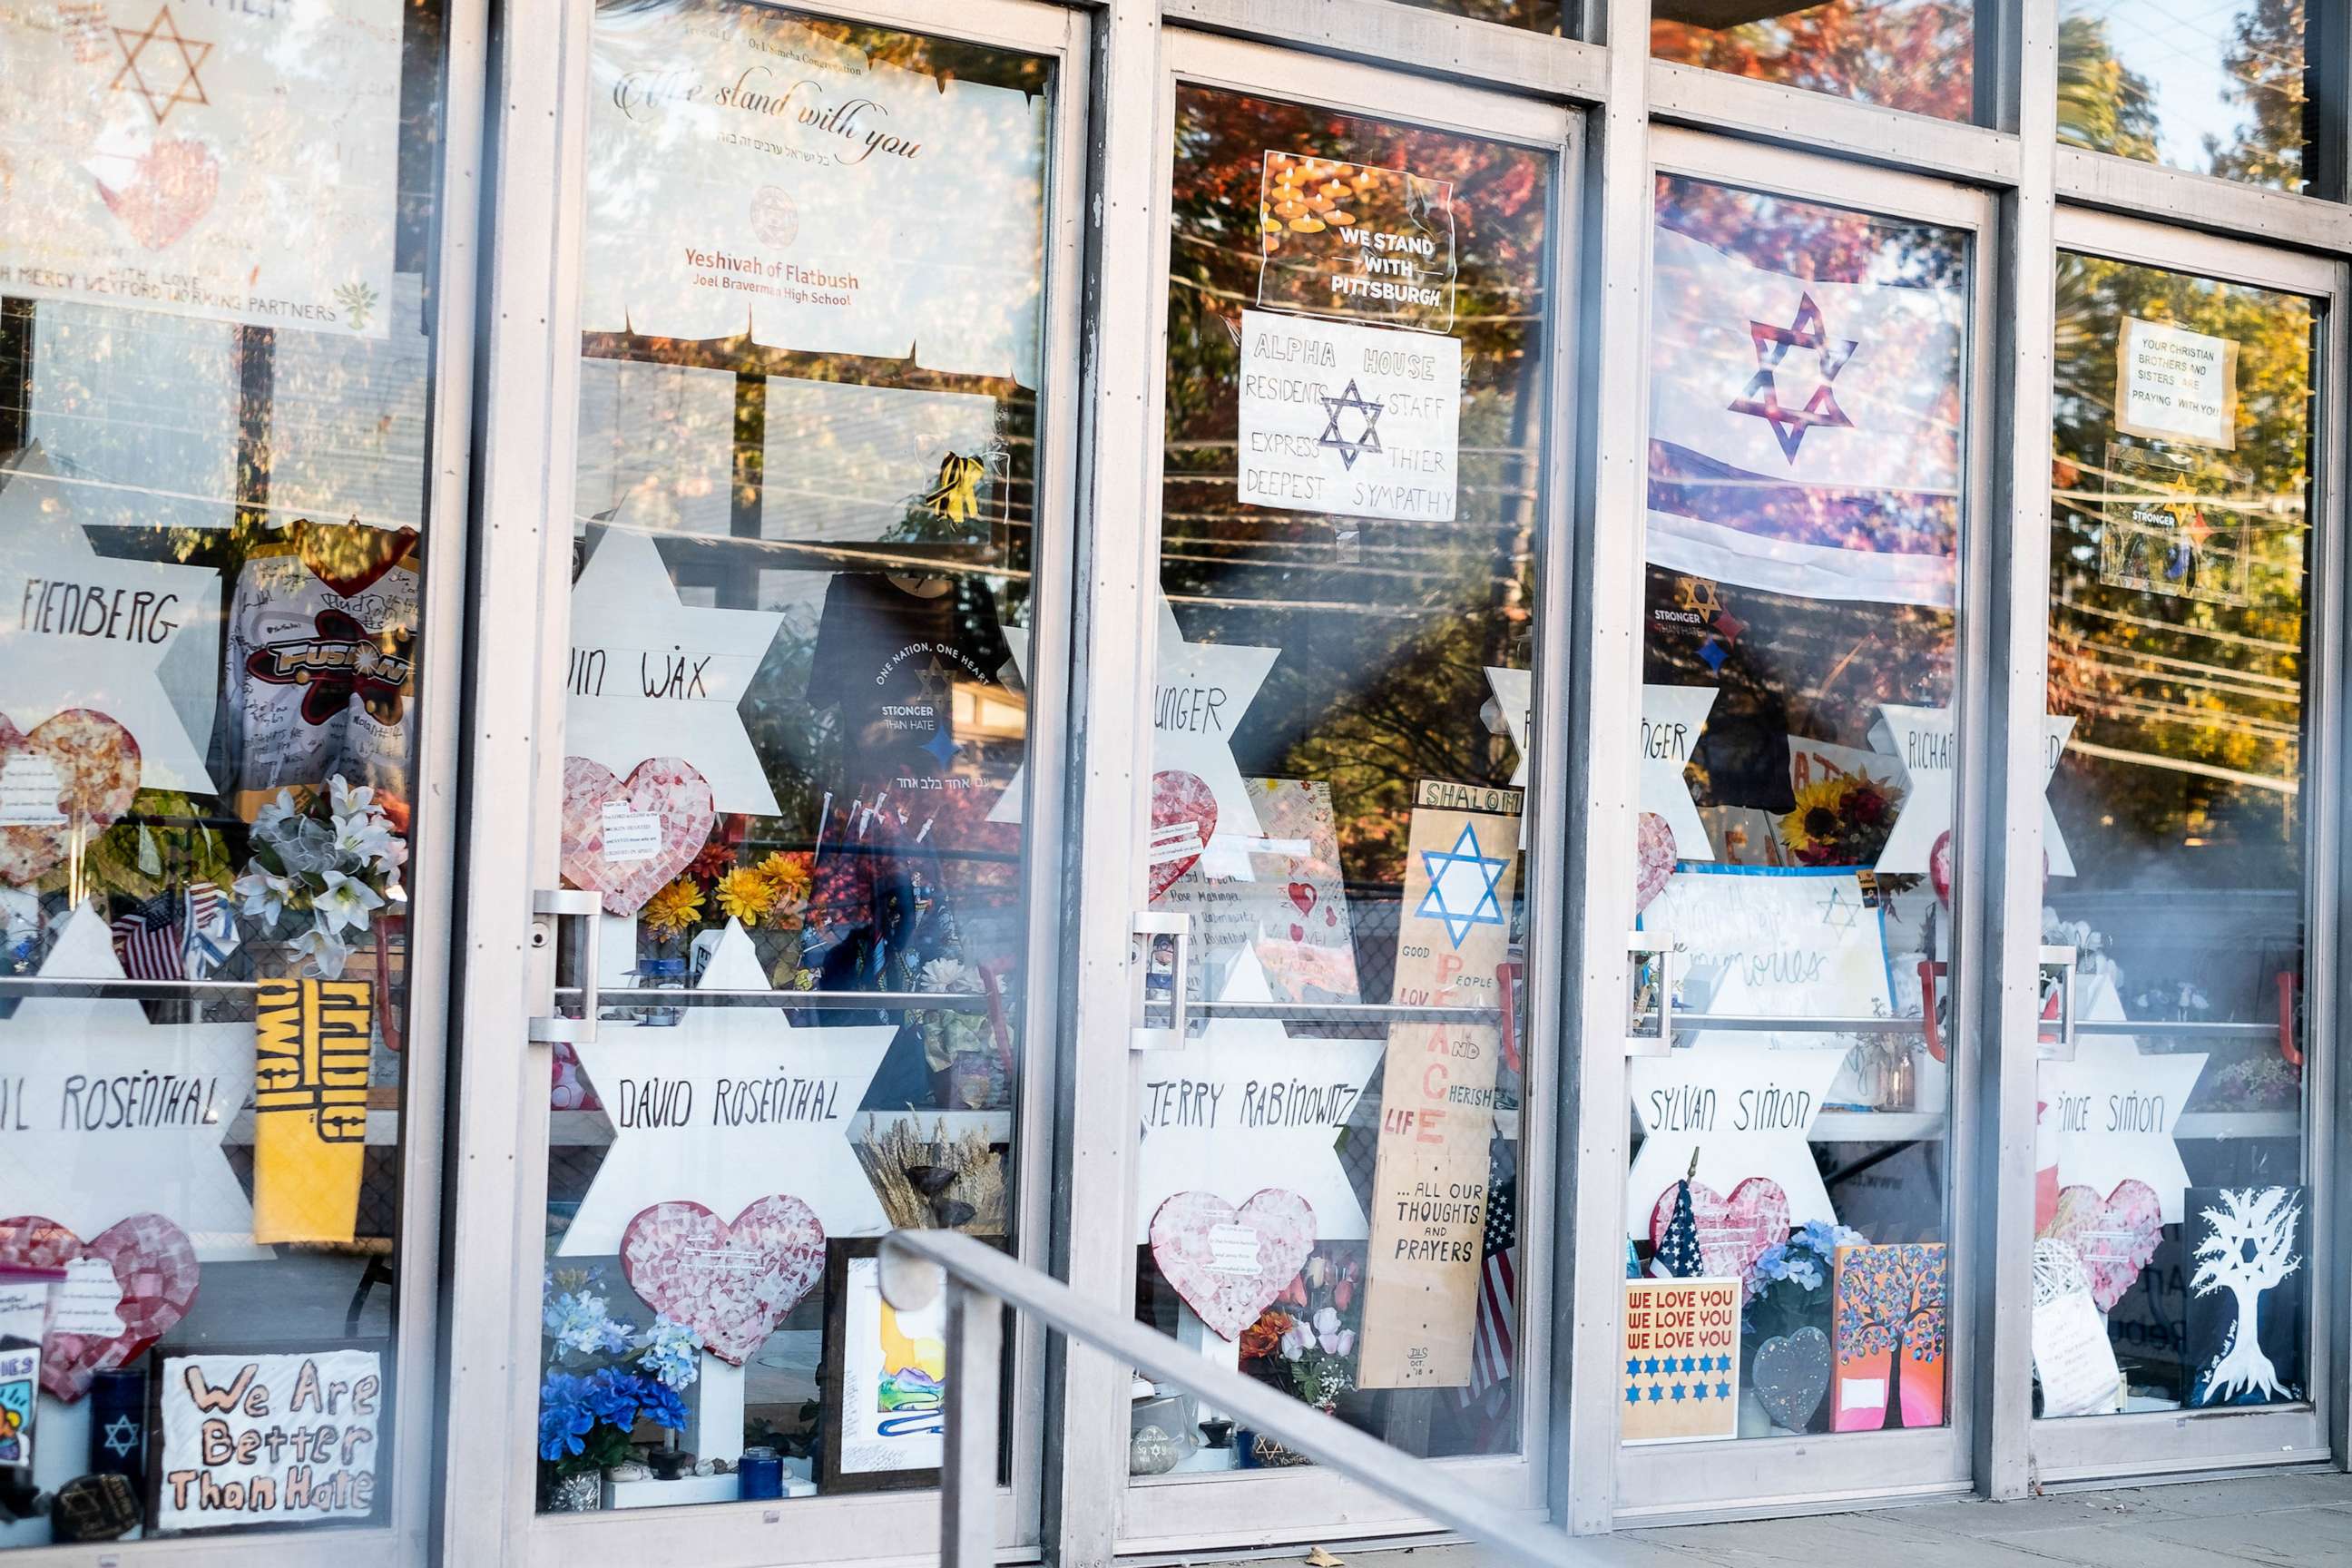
x: 1610, y: 735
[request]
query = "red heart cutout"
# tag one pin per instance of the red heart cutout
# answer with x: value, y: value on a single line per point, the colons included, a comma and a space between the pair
x: 1733, y: 1232
x: 2116, y: 1236
x: 1184, y: 818
x: 153, y: 1263
x: 732, y: 1284
x: 1303, y: 895
x: 97, y: 764
x: 1228, y: 1263
x: 661, y: 786
x: 174, y: 187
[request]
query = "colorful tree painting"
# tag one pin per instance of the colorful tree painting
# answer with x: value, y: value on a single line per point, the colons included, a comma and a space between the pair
x: 1892, y: 1297
x: 2249, y: 1248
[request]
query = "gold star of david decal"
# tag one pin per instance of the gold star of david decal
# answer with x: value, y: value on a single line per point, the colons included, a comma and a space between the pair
x: 190, y: 89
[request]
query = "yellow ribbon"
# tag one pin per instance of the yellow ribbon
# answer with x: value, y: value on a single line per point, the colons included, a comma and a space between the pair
x: 956, y: 497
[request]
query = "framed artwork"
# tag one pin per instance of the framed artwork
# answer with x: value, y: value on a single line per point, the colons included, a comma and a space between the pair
x: 886, y: 1372
x: 1888, y: 1317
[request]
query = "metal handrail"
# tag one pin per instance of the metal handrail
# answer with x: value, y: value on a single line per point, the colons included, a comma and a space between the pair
x: 982, y: 1281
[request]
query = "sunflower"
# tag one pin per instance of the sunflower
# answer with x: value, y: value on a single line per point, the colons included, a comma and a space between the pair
x: 669, y: 913
x: 745, y: 895
x: 1841, y: 821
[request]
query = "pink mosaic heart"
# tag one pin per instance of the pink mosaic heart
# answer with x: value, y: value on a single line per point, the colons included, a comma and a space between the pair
x: 670, y: 793
x: 1734, y: 1231
x: 1653, y: 858
x: 732, y: 1284
x: 2116, y: 1236
x: 152, y: 1261
x: 1228, y: 1263
x: 1183, y: 820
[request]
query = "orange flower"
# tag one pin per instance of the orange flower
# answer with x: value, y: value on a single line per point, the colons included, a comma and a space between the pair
x: 1261, y: 1338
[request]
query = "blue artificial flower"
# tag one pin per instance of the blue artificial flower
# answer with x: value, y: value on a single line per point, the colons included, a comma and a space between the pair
x: 1806, y: 1273
x: 563, y: 1419
x: 576, y: 1321
x: 662, y: 1407
x: 614, y: 1395
x: 672, y: 1352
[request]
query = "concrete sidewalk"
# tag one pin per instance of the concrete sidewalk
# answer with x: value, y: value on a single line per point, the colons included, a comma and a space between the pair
x: 2302, y: 1520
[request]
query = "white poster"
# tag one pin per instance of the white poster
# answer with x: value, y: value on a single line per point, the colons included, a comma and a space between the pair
x: 267, y: 1440
x: 2173, y: 385
x: 234, y: 161
x: 748, y: 174
x: 894, y: 1378
x: 1349, y: 420
x: 1770, y: 941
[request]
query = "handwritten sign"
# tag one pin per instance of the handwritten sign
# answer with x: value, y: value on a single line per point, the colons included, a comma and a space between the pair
x: 710, y: 1109
x: 1198, y: 702
x: 1745, y: 1111
x: 269, y: 1439
x: 1348, y: 421
x: 1919, y: 744
x: 131, y: 1118
x: 82, y: 630
x: 1682, y: 1361
x: 1673, y: 718
x: 1769, y: 941
x: 2173, y: 385
x: 1292, y: 910
x: 651, y: 677
x: 631, y: 835
x: 1437, y: 1106
x: 2113, y: 1113
x: 1246, y: 1106
x: 1352, y: 240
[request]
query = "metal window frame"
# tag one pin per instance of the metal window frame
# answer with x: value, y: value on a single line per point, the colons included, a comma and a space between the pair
x: 529, y: 400
x: 1096, y: 1510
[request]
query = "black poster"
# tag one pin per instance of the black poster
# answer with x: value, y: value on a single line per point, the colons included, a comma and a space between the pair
x: 2248, y: 1256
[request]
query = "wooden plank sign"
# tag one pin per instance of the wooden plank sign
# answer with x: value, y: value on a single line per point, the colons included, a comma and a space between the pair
x: 1437, y: 1107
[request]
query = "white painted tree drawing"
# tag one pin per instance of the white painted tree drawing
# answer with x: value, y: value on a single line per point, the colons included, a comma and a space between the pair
x: 2251, y: 1249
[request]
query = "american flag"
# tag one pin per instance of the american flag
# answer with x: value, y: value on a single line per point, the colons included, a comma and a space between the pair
x: 147, y: 940
x: 1494, y: 1345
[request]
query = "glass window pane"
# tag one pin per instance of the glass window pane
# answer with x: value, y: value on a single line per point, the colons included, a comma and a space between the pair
x: 1535, y: 16
x: 797, y: 726
x: 1353, y: 491
x: 1787, y: 1214
x: 217, y: 278
x: 2173, y: 1198
x: 2214, y: 86
x: 1913, y: 54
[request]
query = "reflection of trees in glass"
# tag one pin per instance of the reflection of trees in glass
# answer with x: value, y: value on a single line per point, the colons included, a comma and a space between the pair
x: 2102, y: 105
x: 1914, y: 55
x: 1385, y: 627
x: 2107, y: 106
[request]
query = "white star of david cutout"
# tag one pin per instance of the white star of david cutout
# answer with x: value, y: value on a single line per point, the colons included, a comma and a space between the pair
x: 1464, y: 882
x: 75, y: 1153
x: 1673, y: 719
x: 83, y: 630
x: 631, y: 635
x: 1747, y: 1113
x: 1515, y: 698
x: 1920, y: 741
x: 1202, y: 691
x: 2114, y: 1110
x: 728, y: 1106
x: 1245, y: 1106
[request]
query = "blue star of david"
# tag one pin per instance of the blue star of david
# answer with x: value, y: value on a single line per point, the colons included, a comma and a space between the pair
x: 1651, y: 1366
x: 1632, y: 1367
x: 1633, y: 1395
x: 1680, y: 1390
x: 1837, y: 913
x: 1457, y: 880
x: 1723, y: 1391
x: 1656, y: 1394
x: 121, y: 1437
x: 1698, y: 1390
x: 1761, y: 397
x: 1369, y: 441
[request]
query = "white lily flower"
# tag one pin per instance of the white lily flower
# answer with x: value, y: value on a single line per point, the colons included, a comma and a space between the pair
x: 264, y: 895
x: 345, y: 902
x: 326, y: 954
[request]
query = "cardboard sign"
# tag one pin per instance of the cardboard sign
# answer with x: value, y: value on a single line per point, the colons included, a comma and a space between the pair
x: 269, y: 1439
x: 652, y: 676
x: 236, y: 162
x: 1437, y: 1107
x: 1348, y: 421
x: 821, y: 199
x: 2173, y: 385
x: 1887, y: 1324
x: 310, y: 1104
x: 1682, y: 1361
x: 1349, y: 239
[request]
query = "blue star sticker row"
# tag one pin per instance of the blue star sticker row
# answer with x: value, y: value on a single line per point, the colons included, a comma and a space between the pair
x: 1658, y: 1379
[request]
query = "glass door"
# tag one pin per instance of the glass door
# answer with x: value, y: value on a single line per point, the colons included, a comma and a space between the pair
x: 1788, y: 1233
x: 1340, y: 1184
x: 2180, y: 1315
x: 232, y: 345
x: 803, y: 808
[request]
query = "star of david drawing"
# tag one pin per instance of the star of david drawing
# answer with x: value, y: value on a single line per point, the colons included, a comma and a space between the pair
x: 1837, y: 913
x: 1369, y: 441
x: 121, y: 1437
x: 190, y: 89
x: 1462, y: 887
x: 1762, y: 395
